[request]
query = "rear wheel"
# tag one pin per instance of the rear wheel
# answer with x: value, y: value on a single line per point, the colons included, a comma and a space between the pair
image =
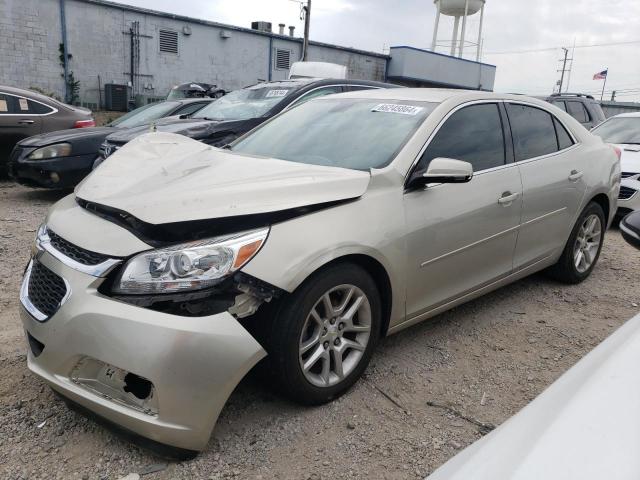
x: 323, y: 335
x: 583, y: 248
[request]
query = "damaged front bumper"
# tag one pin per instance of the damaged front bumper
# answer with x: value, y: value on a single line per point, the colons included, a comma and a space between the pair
x: 162, y: 376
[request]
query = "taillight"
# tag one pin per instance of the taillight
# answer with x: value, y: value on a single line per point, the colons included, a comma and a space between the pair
x: 618, y: 151
x: 84, y: 123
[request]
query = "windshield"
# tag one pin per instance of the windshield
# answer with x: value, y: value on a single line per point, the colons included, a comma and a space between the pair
x: 244, y: 104
x: 350, y: 133
x: 143, y: 115
x: 620, y: 130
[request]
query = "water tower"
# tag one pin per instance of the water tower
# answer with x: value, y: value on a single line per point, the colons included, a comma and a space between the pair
x: 459, y: 9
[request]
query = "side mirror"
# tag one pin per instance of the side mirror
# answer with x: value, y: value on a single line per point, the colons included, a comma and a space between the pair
x: 448, y: 170
x: 630, y: 229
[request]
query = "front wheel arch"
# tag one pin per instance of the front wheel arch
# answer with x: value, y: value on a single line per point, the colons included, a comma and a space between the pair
x: 380, y: 276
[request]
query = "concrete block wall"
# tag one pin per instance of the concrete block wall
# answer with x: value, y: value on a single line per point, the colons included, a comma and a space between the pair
x: 29, y: 41
x: 98, y: 40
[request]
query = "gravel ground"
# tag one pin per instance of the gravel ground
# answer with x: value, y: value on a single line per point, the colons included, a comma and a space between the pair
x: 485, y: 360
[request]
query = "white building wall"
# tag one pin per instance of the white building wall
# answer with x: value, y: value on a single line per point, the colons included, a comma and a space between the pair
x: 99, y: 42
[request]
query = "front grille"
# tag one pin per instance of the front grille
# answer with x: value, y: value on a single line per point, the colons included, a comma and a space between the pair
x: 628, y: 174
x: 626, y: 193
x: 74, y: 252
x: 107, y: 149
x: 46, y: 289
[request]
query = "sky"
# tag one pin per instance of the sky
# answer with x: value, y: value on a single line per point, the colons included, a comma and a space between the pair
x: 523, y: 38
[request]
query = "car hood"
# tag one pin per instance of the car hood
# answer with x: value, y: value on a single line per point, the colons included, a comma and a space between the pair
x: 164, y: 178
x: 191, y: 127
x: 66, y: 136
x: 630, y: 160
x: 584, y: 426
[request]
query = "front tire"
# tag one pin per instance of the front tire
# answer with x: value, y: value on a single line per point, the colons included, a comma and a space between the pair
x: 324, y: 334
x: 582, y: 250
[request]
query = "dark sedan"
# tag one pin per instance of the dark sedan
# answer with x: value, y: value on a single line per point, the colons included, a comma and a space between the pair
x: 61, y: 159
x: 24, y: 113
x: 242, y: 110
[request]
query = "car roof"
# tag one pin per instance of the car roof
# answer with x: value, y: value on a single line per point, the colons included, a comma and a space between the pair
x: 30, y: 94
x: 298, y: 83
x: 435, y: 95
x: 191, y: 100
x: 627, y: 115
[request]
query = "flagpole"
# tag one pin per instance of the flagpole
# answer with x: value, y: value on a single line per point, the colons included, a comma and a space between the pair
x: 605, y: 83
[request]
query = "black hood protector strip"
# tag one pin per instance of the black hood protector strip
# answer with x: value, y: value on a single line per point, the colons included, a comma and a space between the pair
x: 161, y: 235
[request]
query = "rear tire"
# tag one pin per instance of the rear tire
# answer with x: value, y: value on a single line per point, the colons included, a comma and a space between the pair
x: 323, y: 335
x: 582, y: 250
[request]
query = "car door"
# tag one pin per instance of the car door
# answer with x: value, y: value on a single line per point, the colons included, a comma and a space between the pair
x: 16, y: 123
x: 553, y: 186
x: 461, y: 237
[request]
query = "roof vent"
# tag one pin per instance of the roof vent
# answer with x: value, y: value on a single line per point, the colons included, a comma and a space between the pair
x: 281, y: 26
x: 292, y: 31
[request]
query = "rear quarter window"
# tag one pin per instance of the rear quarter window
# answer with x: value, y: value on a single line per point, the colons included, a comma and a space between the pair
x: 38, y: 108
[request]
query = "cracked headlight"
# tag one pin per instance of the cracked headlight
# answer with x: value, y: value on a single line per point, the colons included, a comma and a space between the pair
x: 189, y: 266
x: 52, y: 151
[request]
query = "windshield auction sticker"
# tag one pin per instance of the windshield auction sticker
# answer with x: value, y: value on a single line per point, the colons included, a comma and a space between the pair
x: 276, y: 93
x: 395, y: 108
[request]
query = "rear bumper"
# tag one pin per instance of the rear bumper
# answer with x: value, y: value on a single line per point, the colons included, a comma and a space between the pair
x: 62, y: 172
x: 193, y: 363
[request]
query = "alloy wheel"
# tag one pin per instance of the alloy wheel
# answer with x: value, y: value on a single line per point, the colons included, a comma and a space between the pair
x: 335, y: 335
x: 587, y: 243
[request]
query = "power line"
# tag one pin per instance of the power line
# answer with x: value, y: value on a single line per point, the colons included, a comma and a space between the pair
x: 550, y: 49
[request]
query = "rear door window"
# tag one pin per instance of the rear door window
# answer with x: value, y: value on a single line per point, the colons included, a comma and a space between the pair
x: 577, y: 111
x: 7, y: 104
x: 473, y: 134
x: 533, y: 131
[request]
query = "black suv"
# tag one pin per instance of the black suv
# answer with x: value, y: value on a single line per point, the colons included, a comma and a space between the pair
x: 236, y: 113
x: 583, y: 108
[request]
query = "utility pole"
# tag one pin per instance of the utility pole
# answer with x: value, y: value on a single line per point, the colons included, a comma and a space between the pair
x: 613, y: 96
x: 306, y: 11
x: 65, y: 53
x: 564, y: 67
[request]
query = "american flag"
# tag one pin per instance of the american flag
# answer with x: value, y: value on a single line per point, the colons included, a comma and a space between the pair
x: 601, y: 75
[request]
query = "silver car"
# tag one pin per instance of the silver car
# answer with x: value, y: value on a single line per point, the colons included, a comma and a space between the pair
x: 175, y: 267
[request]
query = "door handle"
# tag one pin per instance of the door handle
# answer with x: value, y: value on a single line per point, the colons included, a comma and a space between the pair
x: 508, y: 198
x: 26, y: 122
x: 575, y: 175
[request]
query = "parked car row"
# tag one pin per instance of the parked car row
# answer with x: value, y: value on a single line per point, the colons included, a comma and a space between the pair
x: 61, y: 159
x: 175, y: 267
